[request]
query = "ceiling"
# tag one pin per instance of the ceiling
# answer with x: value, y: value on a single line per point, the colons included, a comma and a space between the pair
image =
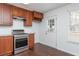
x: 41, y: 7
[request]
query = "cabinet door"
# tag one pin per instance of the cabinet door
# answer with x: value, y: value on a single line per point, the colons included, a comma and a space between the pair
x: 37, y: 16
x: 1, y: 46
x: 1, y: 14
x: 7, y: 14
x: 16, y: 11
x: 28, y: 21
x: 21, y: 12
x: 8, y: 43
x: 31, y: 41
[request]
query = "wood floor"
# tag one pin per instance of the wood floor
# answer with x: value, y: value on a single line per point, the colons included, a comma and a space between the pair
x: 43, y: 50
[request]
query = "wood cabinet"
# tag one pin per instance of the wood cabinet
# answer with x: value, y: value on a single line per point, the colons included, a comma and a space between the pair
x: 16, y: 11
x: 37, y: 16
x: 1, y: 46
x: 8, y: 11
x: 5, y: 15
x: 6, y: 45
x: 28, y: 20
x: 19, y: 12
x: 31, y: 41
x: 1, y: 14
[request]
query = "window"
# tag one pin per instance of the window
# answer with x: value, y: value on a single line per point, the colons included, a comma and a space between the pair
x: 74, y: 21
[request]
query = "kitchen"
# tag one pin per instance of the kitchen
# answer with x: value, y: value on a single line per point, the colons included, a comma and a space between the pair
x: 32, y: 28
x: 13, y: 20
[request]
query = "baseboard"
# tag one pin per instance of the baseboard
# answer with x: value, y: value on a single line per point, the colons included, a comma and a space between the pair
x: 66, y: 51
x: 60, y: 49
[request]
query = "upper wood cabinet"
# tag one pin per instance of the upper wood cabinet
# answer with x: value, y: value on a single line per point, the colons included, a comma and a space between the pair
x: 28, y: 20
x: 8, y: 11
x: 37, y: 16
x: 6, y: 45
x: 16, y: 11
x: 5, y: 15
x: 1, y: 14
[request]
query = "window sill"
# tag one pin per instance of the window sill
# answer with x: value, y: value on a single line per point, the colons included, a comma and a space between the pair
x: 74, y: 42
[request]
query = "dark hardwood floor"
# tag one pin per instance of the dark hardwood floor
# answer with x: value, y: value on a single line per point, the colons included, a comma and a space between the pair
x: 43, y: 50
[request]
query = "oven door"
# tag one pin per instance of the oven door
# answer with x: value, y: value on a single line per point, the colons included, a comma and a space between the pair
x: 20, y: 43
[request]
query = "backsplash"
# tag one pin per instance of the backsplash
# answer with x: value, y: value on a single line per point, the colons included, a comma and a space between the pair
x: 18, y: 24
x: 5, y: 30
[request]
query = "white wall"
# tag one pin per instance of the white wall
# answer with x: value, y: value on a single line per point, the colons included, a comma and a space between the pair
x: 18, y: 24
x: 63, y: 30
x: 33, y: 29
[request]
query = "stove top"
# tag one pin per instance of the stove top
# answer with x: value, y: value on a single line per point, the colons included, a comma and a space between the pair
x: 19, y: 33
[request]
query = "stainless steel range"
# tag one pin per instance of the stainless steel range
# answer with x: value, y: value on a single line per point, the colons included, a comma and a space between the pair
x: 20, y: 41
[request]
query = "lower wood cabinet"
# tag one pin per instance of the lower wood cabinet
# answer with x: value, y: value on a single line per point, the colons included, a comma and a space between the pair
x: 1, y: 46
x: 31, y: 41
x: 6, y: 45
